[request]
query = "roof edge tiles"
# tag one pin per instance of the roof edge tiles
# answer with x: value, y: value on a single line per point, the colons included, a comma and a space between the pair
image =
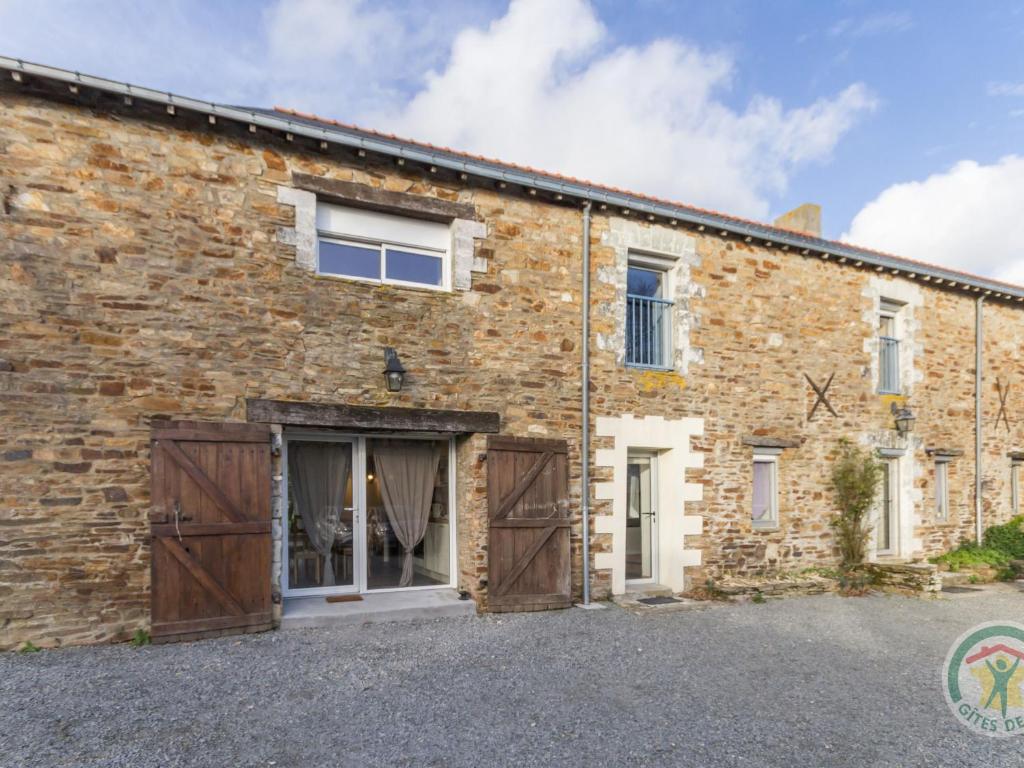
x: 323, y: 129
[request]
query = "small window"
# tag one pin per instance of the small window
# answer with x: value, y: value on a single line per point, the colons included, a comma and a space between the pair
x: 1015, y: 487
x: 942, y: 490
x: 888, y: 349
x: 648, y: 317
x: 764, y: 508
x: 382, y: 248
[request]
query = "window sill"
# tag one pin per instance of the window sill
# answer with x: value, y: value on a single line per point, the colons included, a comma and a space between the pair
x: 655, y: 368
x: 891, y: 393
x: 765, y: 527
x: 382, y: 283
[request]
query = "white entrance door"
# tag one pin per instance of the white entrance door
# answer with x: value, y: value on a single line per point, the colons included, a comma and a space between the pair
x: 889, y: 509
x: 641, y: 519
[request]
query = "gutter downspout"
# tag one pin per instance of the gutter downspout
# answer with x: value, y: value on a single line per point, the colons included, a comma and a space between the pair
x: 978, y: 360
x: 585, y: 443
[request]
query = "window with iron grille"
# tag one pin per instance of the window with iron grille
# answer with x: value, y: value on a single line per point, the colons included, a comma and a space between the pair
x: 648, y: 318
x: 888, y: 349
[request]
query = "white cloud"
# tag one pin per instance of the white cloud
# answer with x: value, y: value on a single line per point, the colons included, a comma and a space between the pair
x: 874, y: 24
x: 967, y: 218
x: 543, y: 86
x: 340, y: 57
x: 1005, y: 89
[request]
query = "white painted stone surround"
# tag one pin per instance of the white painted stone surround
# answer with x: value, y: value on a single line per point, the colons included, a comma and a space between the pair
x: 911, y: 497
x: 670, y: 439
x: 627, y: 237
x: 303, y: 236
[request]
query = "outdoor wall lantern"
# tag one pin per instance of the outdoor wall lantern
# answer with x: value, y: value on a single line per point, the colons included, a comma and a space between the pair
x: 904, y: 418
x: 394, y: 373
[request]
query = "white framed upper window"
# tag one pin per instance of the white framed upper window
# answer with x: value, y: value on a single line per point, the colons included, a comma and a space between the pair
x: 649, y: 312
x: 764, y: 506
x: 382, y: 248
x: 888, y: 347
x: 942, y: 490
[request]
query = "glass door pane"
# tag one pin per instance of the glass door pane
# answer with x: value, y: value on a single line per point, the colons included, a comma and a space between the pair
x: 408, y: 522
x: 888, y: 511
x: 640, y: 519
x: 321, y: 515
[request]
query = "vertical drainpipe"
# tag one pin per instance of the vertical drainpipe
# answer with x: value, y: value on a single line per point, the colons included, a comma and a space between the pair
x: 978, y: 359
x: 585, y: 373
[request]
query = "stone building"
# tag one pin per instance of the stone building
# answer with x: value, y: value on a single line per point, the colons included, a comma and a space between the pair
x: 197, y: 435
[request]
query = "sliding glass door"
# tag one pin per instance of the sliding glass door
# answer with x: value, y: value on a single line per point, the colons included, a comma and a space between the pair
x: 367, y: 513
x: 323, y: 506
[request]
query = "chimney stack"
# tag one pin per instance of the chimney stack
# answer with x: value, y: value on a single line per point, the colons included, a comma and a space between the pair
x: 805, y: 218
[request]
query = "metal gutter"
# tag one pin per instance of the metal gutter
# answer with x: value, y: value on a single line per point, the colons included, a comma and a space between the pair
x: 979, y: 337
x: 498, y: 172
x: 585, y: 407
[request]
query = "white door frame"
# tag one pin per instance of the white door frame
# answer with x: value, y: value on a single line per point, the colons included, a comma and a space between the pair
x: 652, y: 458
x: 359, y: 456
x: 891, y: 466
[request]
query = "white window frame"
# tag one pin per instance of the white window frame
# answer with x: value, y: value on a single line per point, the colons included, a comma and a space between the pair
x: 665, y: 266
x: 942, y: 490
x: 383, y: 246
x: 359, y: 468
x: 891, y: 466
x: 1015, y: 487
x: 890, y: 309
x: 770, y: 457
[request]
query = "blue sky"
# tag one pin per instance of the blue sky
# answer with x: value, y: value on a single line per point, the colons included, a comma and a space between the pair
x: 904, y: 120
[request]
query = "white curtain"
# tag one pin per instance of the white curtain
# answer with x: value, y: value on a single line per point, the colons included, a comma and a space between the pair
x: 318, y: 474
x: 406, y: 472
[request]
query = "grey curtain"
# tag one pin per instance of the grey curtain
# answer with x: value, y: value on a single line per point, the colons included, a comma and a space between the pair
x: 318, y: 474
x: 406, y: 471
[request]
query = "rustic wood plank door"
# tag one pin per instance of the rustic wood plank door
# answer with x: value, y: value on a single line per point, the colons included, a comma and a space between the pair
x: 529, y: 557
x: 210, y: 526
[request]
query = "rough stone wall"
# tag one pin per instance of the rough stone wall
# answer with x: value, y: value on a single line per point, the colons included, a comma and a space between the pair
x: 763, y: 318
x: 141, y: 276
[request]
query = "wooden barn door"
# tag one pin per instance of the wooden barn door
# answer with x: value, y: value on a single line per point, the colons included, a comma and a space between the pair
x: 529, y: 559
x: 210, y: 525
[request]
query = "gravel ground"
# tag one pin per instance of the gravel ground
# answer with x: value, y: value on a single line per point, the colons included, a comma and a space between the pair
x: 813, y: 681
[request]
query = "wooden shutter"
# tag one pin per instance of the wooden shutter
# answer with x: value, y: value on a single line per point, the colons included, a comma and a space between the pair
x: 210, y: 526
x: 529, y: 558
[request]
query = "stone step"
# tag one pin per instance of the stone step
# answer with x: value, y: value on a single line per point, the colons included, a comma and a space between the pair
x: 956, y: 579
x: 307, y: 612
x: 637, y: 591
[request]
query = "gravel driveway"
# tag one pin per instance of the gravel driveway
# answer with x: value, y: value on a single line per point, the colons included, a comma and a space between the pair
x: 811, y: 681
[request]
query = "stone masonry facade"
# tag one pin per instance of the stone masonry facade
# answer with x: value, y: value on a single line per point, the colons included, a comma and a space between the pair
x: 146, y: 272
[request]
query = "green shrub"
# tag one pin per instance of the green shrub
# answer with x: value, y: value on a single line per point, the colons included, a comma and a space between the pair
x: 1007, y: 538
x: 969, y: 555
x: 29, y: 647
x: 1001, y: 544
x: 855, y: 479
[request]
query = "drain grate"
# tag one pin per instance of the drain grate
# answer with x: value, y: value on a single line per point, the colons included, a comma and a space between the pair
x: 958, y: 590
x: 658, y: 600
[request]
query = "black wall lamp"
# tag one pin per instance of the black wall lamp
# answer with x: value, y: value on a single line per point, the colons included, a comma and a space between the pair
x: 904, y: 418
x: 394, y: 373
